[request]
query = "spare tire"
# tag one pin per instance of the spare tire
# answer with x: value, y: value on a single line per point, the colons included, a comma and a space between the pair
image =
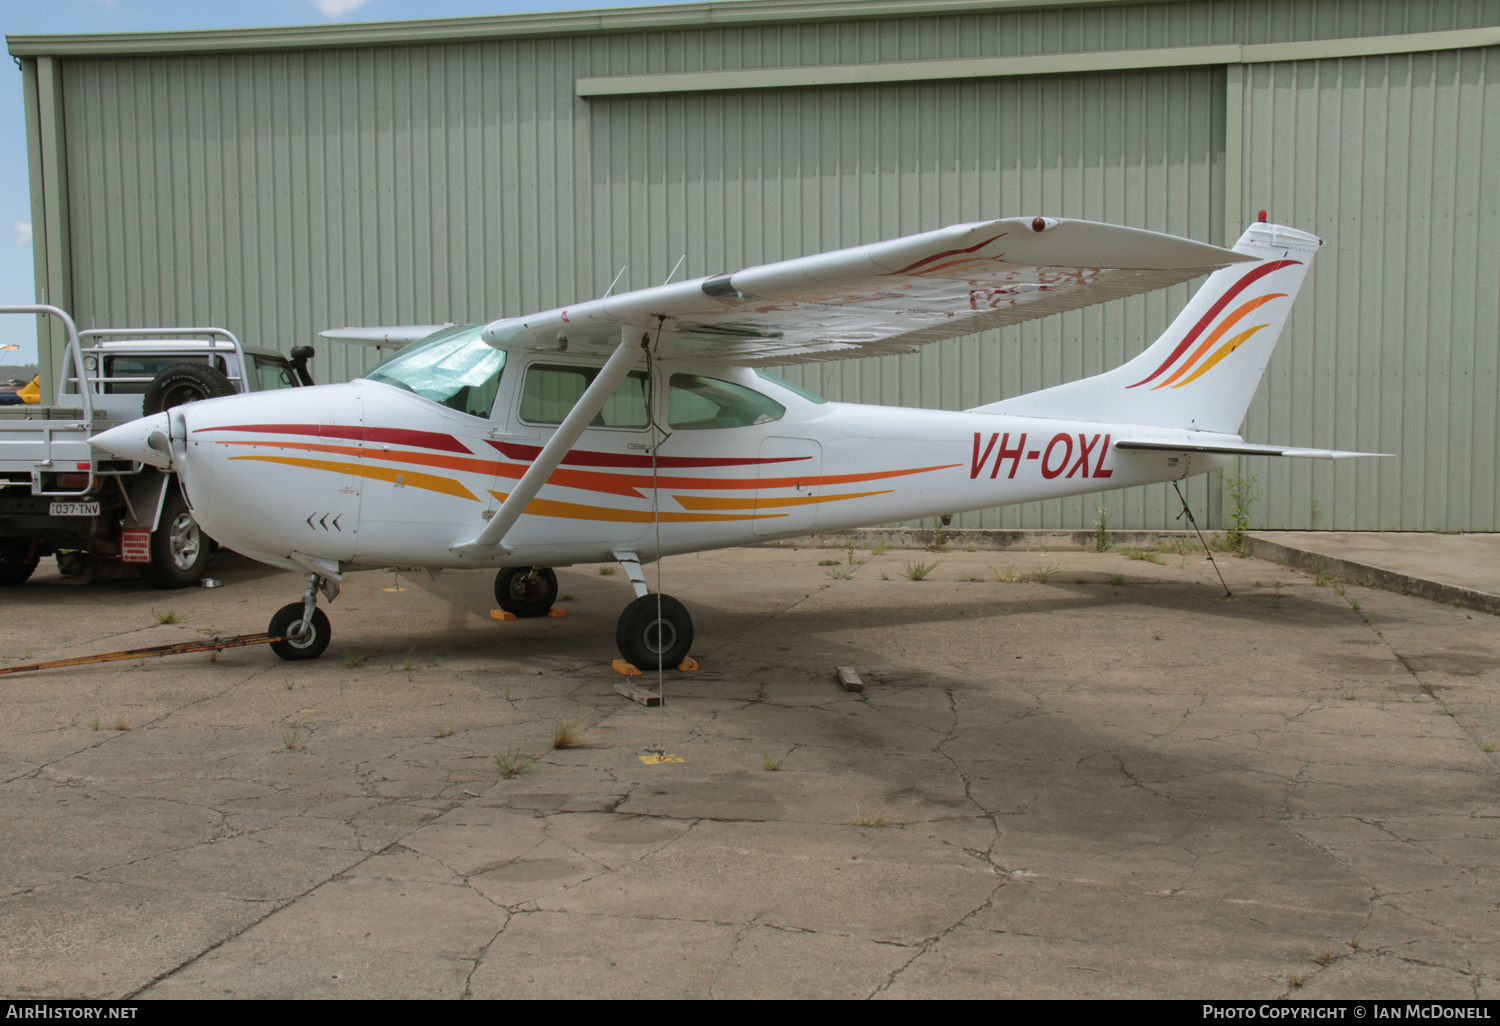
x: 184, y: 383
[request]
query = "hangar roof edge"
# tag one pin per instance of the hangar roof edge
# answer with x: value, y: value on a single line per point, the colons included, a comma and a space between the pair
x: 716, y: 13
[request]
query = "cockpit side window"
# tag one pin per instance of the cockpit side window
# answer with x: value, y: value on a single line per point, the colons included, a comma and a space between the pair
x: 550, y: 391
x: 695, y: 403
x: 454, y: 367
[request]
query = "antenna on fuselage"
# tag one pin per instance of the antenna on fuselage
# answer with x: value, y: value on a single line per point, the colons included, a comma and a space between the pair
x: 675, y: 267
x: 612, y: 284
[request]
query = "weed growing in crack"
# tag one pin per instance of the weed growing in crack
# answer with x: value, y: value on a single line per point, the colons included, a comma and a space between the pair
x: 1101, y: 529
x: 352, y: 661
x: 94, y: 725
x: 1487, y: 748
x: 608, y: 570
x: 918, y: 571
x: 1296, y: 981
x: 445, y: 731
x: 291, y: 740
x: 167, y: 617
x: 1115, y: 580
x: 830, y: 562
x: 569, y: 734
x: 767, y: 763
x: 513, y: 763
x: 859, y: 819
x: 289, y: 683
x: 880, y: 549
x: 1325, y: 957
x: 839, y: 575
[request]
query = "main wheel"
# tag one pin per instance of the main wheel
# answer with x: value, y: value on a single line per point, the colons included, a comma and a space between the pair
x: 300, y: 639
x: 184, y: 383
x: 526, y: 591
x: 179, y: 549
x: 650, y: 641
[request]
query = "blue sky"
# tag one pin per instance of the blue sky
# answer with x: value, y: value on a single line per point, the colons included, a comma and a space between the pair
x: 27, y: 17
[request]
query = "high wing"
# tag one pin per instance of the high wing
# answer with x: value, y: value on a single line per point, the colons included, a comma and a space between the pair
x: 883, y: 298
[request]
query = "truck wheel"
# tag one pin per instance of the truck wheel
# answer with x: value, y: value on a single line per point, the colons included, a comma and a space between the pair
x: 184, y: 383
x: 17, y: 571
x: 179, y: 548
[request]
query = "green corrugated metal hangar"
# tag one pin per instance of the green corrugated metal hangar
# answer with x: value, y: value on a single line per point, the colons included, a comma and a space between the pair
x: 279, y: 182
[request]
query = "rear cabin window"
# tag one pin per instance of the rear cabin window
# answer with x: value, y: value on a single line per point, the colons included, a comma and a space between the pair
x: 551, y: 391
x: 137, y: 371
x: 695, y: 404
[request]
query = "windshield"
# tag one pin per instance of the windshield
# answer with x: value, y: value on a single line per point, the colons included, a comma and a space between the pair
x: 454, y: 367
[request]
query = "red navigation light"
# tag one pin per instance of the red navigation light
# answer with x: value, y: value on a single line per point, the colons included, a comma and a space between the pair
x: 1263, y: 217
x: 1039, y: 225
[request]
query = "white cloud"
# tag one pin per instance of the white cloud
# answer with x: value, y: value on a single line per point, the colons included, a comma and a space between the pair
x: 23, y: 232
x: 334, y: 8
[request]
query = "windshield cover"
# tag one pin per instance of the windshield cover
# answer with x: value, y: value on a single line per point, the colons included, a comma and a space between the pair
x: 454, y: 367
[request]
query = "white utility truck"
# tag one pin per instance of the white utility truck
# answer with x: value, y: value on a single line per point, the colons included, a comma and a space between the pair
x: 60, y: 496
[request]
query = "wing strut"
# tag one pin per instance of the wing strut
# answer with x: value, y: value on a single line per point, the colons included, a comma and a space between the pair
x: 579, y: 417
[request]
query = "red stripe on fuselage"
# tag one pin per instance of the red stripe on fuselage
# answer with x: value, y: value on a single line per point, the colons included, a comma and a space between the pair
x: 584, y: 458
x: 394, y: 436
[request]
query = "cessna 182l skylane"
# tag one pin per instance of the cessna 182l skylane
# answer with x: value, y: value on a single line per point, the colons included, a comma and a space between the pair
x: 643, y: 424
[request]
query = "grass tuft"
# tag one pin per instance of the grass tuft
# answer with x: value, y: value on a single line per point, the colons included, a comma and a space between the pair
x: 918, y: 571
x: 167, y: 617
x: 859, y: 819
x: 767, y: 763
x: 291, y: 740
x: 513, y: 763
x: 838, y: 574
x: 608, y: 570
x: 569, y: 734
x: 352, y: 661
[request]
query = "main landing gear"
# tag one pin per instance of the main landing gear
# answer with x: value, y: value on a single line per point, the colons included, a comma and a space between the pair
x: 655, y: 631
x: 302, y: 627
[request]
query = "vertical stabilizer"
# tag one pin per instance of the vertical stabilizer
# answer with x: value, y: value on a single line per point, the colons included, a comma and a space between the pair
x: 1202, y: 373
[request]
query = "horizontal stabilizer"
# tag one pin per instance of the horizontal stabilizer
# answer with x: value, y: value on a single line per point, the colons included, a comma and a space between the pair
x: 1235, y: 449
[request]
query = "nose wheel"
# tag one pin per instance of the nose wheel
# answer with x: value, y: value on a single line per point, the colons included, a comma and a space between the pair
x: 302, y: 627
x: 302, y: 637
x: 526, y: 590
x: 654, y: 631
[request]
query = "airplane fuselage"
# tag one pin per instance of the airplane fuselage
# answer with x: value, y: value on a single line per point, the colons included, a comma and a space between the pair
x: 379, y: 476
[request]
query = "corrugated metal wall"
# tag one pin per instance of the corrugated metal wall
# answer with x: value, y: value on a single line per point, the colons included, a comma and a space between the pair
x: 1395, y: 162
x: 282, y: 193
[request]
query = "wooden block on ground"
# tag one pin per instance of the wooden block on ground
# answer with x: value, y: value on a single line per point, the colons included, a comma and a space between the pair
x: 650, y: 699
x: 500, y: 614
x: 849, y: 679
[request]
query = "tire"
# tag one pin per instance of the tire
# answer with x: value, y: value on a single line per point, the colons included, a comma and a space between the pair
x: 184, y: 383
x: 526, y: 591
x: 649, y: 643
x: 283, y: 626
x: 17, y: 572
x: 179, y: 548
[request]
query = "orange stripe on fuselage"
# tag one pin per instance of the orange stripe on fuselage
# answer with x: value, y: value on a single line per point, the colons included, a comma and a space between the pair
x: 416, y: 479
x: 578, y: 511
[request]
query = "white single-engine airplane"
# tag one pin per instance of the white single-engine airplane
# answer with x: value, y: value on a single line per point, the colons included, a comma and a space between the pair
x: 643, y: 425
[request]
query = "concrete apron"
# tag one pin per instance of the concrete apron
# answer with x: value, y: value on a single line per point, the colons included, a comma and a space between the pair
x: 1069, y: 774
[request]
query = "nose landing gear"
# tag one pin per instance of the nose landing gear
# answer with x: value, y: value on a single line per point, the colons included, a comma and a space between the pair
x: 302, y: 626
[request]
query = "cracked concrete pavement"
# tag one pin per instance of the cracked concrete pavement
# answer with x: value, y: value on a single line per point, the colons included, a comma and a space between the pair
x: 1092, y: 778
